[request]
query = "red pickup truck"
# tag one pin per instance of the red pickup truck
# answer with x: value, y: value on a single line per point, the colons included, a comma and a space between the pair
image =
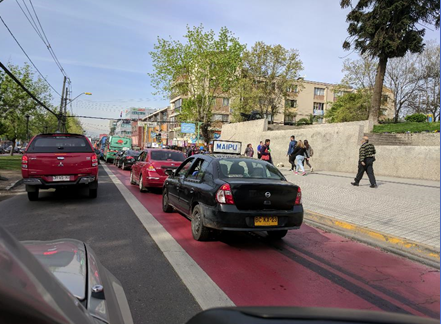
x: 59, y: 160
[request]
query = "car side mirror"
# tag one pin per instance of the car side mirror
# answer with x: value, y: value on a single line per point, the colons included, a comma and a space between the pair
x: 169, y: 172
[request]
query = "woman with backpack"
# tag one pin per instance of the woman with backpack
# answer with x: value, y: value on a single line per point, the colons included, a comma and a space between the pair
x: 310, y: 152
x: 300, y: 153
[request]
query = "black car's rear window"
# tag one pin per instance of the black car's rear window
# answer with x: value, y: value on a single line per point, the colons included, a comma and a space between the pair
x: 132, y: 153
x: 167, y: 156
x: 248, y: 168
x: 57, y: 144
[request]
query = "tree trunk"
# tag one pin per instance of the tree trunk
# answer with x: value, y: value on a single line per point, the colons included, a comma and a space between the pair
x: 378, y: 89
x: 13, y: 147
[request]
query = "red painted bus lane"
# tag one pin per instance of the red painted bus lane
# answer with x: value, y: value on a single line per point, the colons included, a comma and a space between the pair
x: 308, y: 268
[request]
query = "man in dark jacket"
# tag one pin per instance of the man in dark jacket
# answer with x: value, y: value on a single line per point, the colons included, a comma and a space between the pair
x: 291, y: 147
x: 365, y: 162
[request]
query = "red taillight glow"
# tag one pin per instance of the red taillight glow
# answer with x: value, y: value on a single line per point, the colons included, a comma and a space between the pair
x: 299, y: 197
x: 151, y: 168
x: 94, y: 160
x: 50, y: 252
x: 130, y: 157
x: 224, y: 195
x: 24, y: 162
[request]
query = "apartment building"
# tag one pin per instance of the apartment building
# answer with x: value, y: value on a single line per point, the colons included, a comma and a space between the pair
x: 315, y: 98
x: 309, y: 98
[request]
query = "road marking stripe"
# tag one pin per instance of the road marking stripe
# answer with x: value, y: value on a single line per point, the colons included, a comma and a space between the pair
x: 205, y: 291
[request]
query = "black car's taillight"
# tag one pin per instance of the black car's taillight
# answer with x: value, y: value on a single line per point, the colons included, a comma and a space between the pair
x: 299, y: 197
x: 224, y: 195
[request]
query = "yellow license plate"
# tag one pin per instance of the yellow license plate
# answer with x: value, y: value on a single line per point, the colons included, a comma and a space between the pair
x: 266, y: 221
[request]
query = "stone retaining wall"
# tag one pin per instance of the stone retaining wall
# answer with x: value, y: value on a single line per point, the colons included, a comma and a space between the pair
x: 336, y: 148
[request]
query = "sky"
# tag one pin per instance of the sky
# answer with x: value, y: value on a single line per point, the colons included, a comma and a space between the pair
x: 104, y: 45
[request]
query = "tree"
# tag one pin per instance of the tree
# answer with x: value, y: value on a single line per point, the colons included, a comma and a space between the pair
x: 349, y: 107
x: 270, y: 73
x: 426, y: 97
x: 360, y: 74
x: 16, y: 104
x: 403, y: 78
x: 386, y: 29
x: 200, y: 69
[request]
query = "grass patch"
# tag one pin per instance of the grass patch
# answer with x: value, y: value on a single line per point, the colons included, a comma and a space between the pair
x: 10, y: 162
x: 406, y: 127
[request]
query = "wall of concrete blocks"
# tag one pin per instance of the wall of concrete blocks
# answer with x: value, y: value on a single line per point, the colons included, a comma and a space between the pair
x: 336, y: 148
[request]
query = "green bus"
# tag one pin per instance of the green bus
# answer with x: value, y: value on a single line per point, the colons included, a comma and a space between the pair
x: 115, y: 144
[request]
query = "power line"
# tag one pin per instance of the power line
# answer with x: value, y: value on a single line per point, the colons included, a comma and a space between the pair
x: 9, y: 73
x: 28, y: 57
x: 41, y: 34
x: 47, y: 40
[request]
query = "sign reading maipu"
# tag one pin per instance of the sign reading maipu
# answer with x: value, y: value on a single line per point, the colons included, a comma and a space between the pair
x: 227, y: 147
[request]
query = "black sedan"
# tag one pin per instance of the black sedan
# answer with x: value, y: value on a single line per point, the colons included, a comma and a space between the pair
x: 232, y: 193
x: 127, y: 159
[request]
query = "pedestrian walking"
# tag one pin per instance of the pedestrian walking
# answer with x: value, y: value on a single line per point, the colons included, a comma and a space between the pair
x: 259, y: 147
x: 309, y: 152
x: 300, y: 153
x: 249, y: 151
x: 366, y: 158
x: 291, y: 148
x: 265, y: 152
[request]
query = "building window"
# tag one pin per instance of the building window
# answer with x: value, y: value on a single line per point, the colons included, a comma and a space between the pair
x: 318, y: 109
x: 319, y: 93
x: 213, y: 102
x: 291, y: 103
x: 225, y: 102
x: 292, y: 88
x: 178, y: 105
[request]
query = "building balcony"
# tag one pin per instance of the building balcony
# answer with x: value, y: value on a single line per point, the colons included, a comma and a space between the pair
x: 318, y: 112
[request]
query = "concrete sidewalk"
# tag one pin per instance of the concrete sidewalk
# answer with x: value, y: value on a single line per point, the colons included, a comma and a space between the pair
x: 406, y: 209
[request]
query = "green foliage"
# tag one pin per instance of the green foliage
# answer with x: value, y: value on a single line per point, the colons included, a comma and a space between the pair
x: 268, y: 71
x: 416, y: 118
x: 303, y: 121
x: 199, y: 69
x: 386, y: 29
x: 349, y: 107
x: 15, y: 104
x: 407, y: 127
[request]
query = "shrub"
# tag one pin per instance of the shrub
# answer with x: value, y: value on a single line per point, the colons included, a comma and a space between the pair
x: 416, y: 118
x: 303, y: 121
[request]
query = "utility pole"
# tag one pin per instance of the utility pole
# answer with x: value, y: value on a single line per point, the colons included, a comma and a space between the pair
x: 66, y: 96
x: 60, y: 114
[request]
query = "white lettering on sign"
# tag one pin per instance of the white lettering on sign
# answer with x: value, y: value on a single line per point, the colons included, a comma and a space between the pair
x: 227, y: 147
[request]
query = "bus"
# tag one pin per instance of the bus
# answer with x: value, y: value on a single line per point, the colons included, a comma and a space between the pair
x: 114, y: 144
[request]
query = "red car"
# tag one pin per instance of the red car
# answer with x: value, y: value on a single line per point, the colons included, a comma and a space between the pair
x: 59, y: 160
x: 149, y: 169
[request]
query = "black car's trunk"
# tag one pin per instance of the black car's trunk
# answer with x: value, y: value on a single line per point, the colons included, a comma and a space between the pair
x: 262, y: 194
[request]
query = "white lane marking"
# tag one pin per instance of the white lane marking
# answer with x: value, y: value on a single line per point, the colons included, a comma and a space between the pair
x: 205, y: 291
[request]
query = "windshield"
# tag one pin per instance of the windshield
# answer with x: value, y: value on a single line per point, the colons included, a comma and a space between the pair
x: 167, y: 156
x: 290, y: 148
x: 248, y: 168
x: 57, y: 144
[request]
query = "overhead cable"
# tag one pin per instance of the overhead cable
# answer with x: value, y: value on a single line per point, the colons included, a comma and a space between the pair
x: 29, y: 57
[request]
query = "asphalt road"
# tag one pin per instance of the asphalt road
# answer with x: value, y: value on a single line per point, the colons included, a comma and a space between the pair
x: 154, y: 291
x: 309, y: 267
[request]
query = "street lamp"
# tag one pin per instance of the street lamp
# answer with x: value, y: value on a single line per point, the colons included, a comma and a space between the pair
x: 84, y: 93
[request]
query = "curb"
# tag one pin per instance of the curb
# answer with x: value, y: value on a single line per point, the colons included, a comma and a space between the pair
x: 14, y: 184
x: 409, y: 249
